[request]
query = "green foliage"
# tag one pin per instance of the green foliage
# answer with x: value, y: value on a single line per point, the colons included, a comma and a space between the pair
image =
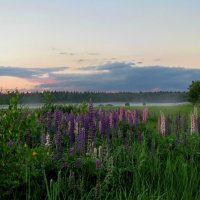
x: 127, y: 104
x: 157, y: 167
x: 47, y: 100
x: 194, y: 92
x: 78, y: 97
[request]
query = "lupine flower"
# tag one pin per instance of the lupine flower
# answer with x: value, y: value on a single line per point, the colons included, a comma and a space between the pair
x: 98, y: 164
x: 57, y: 118
x: 162, y: 127
x: 49, y: 121
x: 195, y: 110
x: 48, y: 140
x: 81, y: 140
x: 167, y: 125
x: 92, y: 126
x: 145, y: 115
x: 72, y: 151
x: 71, y: 129
x: 10, y: 142
x: 130, y: 119
x: 198, y: 124
x: 178, y: 123
x: 86, y: 126
x: 193, y: 119
x: 115, y: 120
x: 111, y: 120
x: 95, y: 153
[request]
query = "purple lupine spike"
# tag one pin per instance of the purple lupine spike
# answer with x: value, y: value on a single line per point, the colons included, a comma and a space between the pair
x: 103, y: 126
x: 123, y: 115
x: 71, y: 129
x: 130, y: 119
x: 86, y: 125
x: 111, y: 120
x: 107, y: 129
x: 81, y: 140
x: 98, y: 164
x: 10, y: 142
x: 137, y: 118
x: 115, y: 119
x: 91, y: 112
x: 178, y: 124
x: 167, y: 125
x: 140, y: 137
x: 48, y: 126
x: 58, y: 141
x: 57, y: 118
x: 92, y: 126
x: 198, y: 124
x: 71, y: 151
x: 81, y: 120
x: 64, y: 122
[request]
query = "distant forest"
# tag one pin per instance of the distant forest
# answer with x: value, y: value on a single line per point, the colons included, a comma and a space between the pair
x: 79, y: 97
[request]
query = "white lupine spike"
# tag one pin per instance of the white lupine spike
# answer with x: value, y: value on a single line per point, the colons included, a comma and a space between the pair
x: 193, y: 119
x: 100, y: 148
x: 48, y: 141
x: 111, y: 119
x: 144, y: 114
x: 194, y: 126
x: 95, y: 152
x: 195, y: 110
x: 134, y: 116
x: 76, y: 128
x: 162, y: 123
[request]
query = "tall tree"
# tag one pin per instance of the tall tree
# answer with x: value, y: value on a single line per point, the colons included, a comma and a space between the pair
x: 194, y: 92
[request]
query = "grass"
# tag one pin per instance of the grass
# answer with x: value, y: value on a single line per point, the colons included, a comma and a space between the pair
x: 156, y: 167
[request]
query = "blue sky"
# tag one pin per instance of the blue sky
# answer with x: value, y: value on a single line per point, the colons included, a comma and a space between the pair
x: 83, y: 33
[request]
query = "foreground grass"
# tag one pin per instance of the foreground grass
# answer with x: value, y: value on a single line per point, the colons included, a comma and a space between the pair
x: 134, y: 166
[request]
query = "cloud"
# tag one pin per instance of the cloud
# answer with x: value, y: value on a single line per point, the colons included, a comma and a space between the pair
x: 117, y: 76
x: 127, y: 77
x: 23, y: 72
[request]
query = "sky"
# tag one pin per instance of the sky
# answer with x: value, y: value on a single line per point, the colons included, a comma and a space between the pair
x: 108, y: 45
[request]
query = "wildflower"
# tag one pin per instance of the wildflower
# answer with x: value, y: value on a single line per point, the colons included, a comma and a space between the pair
x: 98, y: 164
x: 72, y: 151
x: 161, y: 124
x: 34, y: 153
x: 10, y: 142
x: 145, y: 115
x: 81, y: 140
x: 48, y: 141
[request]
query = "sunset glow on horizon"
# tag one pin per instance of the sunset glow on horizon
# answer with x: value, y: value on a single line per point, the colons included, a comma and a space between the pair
x: 81, y: 34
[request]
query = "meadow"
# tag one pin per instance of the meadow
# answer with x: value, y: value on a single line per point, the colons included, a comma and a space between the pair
x: 86, y: 152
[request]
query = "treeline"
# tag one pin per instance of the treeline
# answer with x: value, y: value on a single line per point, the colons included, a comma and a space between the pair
x: 79, y: 97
